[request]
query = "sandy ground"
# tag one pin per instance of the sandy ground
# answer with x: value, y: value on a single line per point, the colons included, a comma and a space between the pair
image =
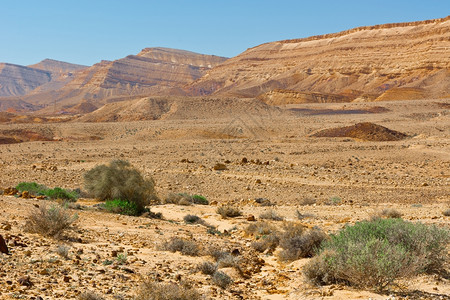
x: 350, y: 180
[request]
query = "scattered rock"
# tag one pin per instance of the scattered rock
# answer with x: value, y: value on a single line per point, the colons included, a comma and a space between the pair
x: 11, y: 191
x: 25, y: 281
x: 25, y: 195
x: 3, y: 246
x: 251, y: 218
x: 220, y: 167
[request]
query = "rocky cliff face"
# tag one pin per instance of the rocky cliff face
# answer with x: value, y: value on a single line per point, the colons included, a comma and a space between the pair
x: 151, y: 71
x: 18, y: 80
x: 361, y: 63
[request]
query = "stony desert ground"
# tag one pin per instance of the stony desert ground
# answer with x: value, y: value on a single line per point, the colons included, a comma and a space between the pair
x: 349, y: 179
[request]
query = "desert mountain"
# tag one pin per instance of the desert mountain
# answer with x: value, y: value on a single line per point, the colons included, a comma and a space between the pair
x: 362, y: 63
x: 16, y: 80
x: 151, y: 71
x: 56, y: 67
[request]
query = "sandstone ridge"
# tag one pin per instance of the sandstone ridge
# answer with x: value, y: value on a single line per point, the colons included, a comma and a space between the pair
x: 366, y: 60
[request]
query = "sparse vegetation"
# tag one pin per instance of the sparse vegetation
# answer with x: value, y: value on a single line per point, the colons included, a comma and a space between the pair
x: 122, y: 207
x: 32, y: 187
x: 221, y: 279
x: 186, y: 247
x: 52, y: 222
x: 228, y: 212
x: 36, y: 189
x: 297, y: 242
x: 151, y: 290
x: 308, y: 201
x: 259, y: 229
x: 89, y: 296
x: 390, y: 213
x: 120, y: 180
x: 271, y: 215
x: 301, y: 216
x: 185, y: 199
x: 193, y: 219
x: 207, y: 268
x: 372, y: 254
x: 63, y: 251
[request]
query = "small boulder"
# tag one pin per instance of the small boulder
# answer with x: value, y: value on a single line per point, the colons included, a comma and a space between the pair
x: 220, y: 167
x: 3, y: 246
x: 251, y: 218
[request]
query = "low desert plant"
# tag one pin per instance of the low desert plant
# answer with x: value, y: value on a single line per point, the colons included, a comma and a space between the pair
x: 207, y: 268
x: 52, y: 222
x: 301, y: 216
x: 259, y: 228
x: 185, y: 199
x: 297, y: 242
x: 308, y: 201
x: 372, y: 254
x: 271, y: 215
x: 89, y: 296
x: 199, y: 199
x: 32, y: 187
x: 193, y: 219
x: 122, y: 207
x: 41, y: 190
x: 120, y: 180
x: 63, y: 251
x: 267, y: 243
x: 151, y: 290
x: 221, y: 279
x: 59, y: 193
x: 186, y: 247
x: 390, y: 213
x: 228, y: 212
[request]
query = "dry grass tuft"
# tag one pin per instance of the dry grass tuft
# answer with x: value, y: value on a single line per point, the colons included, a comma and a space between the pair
x: 186, y: 247
x: 228, y: 212
x: 51, y: 222
x: 151, y: 290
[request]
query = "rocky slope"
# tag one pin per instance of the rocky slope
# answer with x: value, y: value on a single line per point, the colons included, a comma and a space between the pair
x: 16, y: 80
x: 361, y: 63
x: 151, y: 71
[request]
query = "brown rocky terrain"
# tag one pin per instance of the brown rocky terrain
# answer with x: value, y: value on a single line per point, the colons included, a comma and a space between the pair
x: 331, y: 181
x: 151, y: 71
x: 18, y: 80
x: 358, y: 64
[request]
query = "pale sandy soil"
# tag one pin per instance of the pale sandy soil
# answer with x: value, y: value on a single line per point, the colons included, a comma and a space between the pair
x: 411, y: 176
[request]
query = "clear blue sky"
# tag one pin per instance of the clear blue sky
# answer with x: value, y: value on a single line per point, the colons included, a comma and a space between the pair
x: 86, y: 32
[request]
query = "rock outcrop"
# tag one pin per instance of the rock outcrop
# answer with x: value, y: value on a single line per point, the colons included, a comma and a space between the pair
x: 358, y: 64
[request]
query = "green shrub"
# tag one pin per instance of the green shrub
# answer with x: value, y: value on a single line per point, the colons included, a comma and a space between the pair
x: 198, y: 199
x: 59, y: 193
x: 52, y: 222
x: 151, y: 290
x: 32, y: 187
x: 120, y: 180
x: 372, y: 254
x: 122, y: 207
x: 228, y: 212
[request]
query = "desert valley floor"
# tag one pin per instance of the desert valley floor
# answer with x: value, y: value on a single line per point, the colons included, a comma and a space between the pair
x: 272, y: 156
